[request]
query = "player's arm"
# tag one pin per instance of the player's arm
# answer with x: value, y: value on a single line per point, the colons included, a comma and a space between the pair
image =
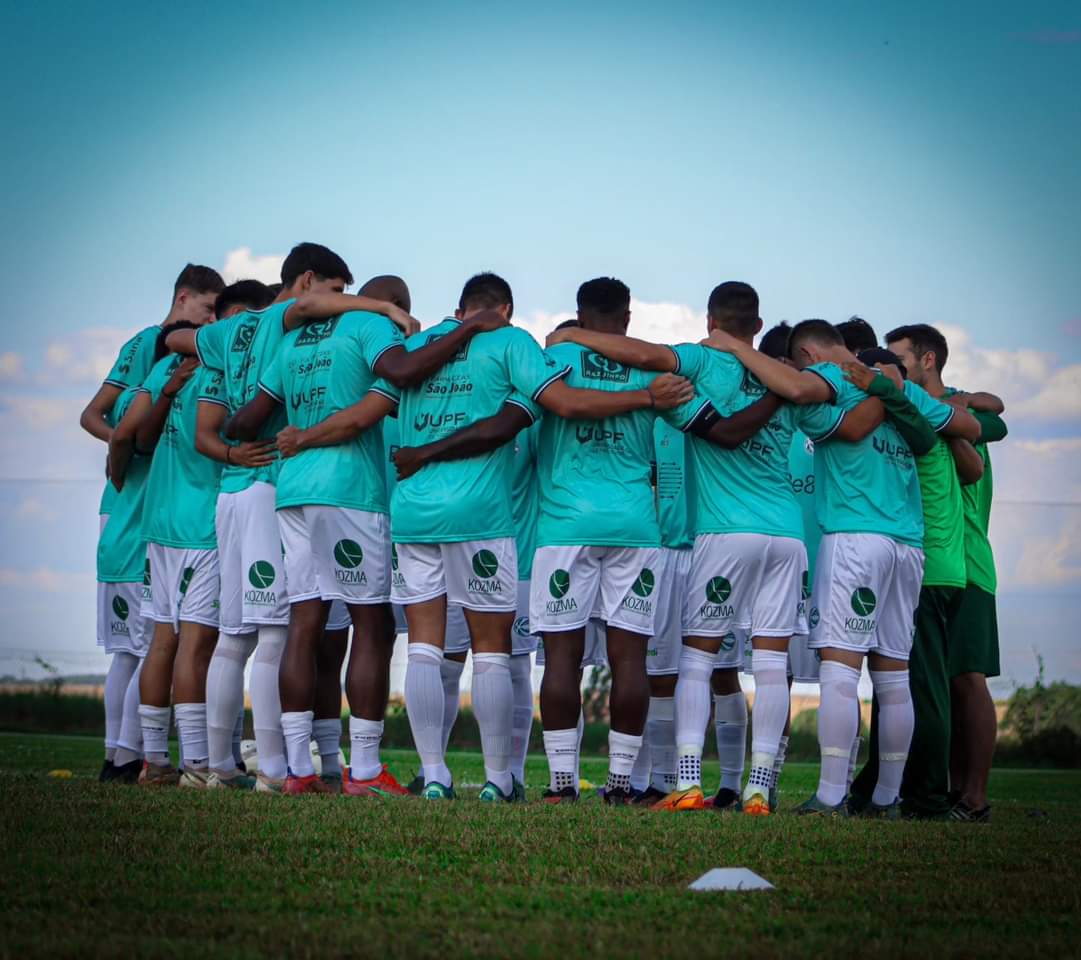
x: 967, y: 460
x: 338, y: 428
x: 861, y: 421
x: 122, y: 440
x: 95, y: 418
x: 574, y: 403
x: 796, y: 386
x: 406, y: 368
x: 962, y: 424
x: 902, y: 412
x: 471, y: 441
x: 983, y: 402
x: 182, y: 341
x: 730, y: 432
x: 319, y: 306
x: 986, y: 408
x: 246, y: 423
x: 150, y: 426
x: 209, y: 421
x: 626, y: 350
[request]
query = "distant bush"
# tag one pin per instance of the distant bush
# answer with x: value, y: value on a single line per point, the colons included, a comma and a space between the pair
x: 1042, y: 726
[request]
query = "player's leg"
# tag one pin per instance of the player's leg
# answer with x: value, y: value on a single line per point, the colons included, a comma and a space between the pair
x: 224, y: 699
x: 266, y: 708
x: 330, y: 655
x: 455, y: 650
x: 156, y: 677
x: 121, y: 669
x: 523, y: 644
x: 296, y: 688
x: 729, y: 723
x: 129, y: 742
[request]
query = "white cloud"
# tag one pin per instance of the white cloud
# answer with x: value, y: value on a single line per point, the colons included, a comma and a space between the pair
x: 11, y: 366
x: 32, y: 508
x: 45, y: 580
x: 242, y: 264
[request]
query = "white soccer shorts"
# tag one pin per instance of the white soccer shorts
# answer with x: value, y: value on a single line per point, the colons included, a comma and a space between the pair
x: 615, y: 584
x: 523, y: 640
x: 479, y: 575
x: 338, y: 618
x: 662, y: 652
x: 122, y: 628
x: 865, y: 594
x: 184, y: 585
x: 744, y: 582
x: 334, y: 553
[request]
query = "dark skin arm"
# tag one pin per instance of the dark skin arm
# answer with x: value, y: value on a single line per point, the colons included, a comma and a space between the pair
x: 626, y: 350
x: 885, y: 383
x: 338, y: 428
x: 93, y: 418
x: 149, y: 430
x: 122, y: 441
x: 318, y: 306
x: 478, y: 438
x: 246, y: 423
x: 573, y: 403
x: 729, y: 432
x: 406, y: 368
x: 209, y: 421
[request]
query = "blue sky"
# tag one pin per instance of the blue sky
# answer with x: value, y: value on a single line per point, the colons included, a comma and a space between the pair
x: 900, y: 161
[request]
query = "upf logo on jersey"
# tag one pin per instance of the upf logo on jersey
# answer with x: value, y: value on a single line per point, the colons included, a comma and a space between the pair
x: 863, y: 602
x: 485, y: 579
x: 637, y: 600
x: 119, y: 626
x: 245, y: 333
x: 558, y: 585
x: 717, y: 607
x: 349, y: 556
x: 315, y: 331
x: 261, y: 576
x: 596, y: 366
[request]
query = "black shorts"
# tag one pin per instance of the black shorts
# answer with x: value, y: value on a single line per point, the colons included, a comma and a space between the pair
x: 973, y: 644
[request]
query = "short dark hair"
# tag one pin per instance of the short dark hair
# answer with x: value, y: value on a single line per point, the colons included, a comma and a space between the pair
x: 858, y: 334
x: 486, y: 290
x: 160, y: 349
x: 251, y: 294
x: 813, y: 331
x: 198, y: 279
x: 876, y: 355
x: 322, y: 261
x: 275, y: 288
x: 923, y: 337
x: 774, y: 342
x: 604, y: 295
x: 572, y: 322
x: 734, y: 305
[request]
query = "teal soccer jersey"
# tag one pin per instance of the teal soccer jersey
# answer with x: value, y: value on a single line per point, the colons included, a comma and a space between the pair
x: 242, y: 347
x: 595, y: 474
x: 525, y: 495
x: 745, y: 490
x: 182, y: 486
x: 801, y: 478
x: 454, y: 501
x: 675, y: 486
x: 133, y: 363
x: 320, y: 369
x: 122, y: 549
x: 869, y: 486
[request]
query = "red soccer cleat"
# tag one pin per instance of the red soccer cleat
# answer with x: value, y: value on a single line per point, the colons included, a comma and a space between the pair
x: 383, y: 785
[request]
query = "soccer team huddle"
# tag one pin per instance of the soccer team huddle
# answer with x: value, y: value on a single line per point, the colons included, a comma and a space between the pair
x: 288, y: 464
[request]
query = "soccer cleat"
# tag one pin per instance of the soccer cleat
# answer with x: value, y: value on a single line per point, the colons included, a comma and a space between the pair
x: 648, y: 797
x: 238, y: 781
x: 125, y: 773
x: 265, y: 784
x: 874, y: 811
x: 153, y: 775
x: 333, y: 780
x: 106, y: 771
x: 193, y: 778
x: 963, y: 813
x: 519, y: 791
x: 490, y: 793
x: 774, y: 800
x: 296, y: 786
x: 756, y: 804
x: 726, y: 800
x: 815, y: 807
x: 436, y: 791
x: 690, y: 799
x: 619, y: 797
x: 416, y: 785
x: 566, y: 795
x: 383, y: 785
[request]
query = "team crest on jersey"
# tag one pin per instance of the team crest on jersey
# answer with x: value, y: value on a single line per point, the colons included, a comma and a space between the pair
x: 245, y: 333
x: 316, y: 331
x: 462, y: 352
x: 596, y: 366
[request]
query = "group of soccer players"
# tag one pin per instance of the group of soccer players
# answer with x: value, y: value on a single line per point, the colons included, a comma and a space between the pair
x: 290, y: 463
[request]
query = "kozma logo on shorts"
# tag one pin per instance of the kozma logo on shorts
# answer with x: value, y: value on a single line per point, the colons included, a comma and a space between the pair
x: 119, y: 626
x: 261, y: 576
x: 559, y: 584
x: 638, y: 600
x: 717, y: 607
x: 863, y: 602
x: 348, y: 555
x: 485, y: 579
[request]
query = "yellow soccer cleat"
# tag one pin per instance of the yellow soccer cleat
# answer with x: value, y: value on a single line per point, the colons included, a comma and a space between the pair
x: 756, y: 804
x: 678, y: 800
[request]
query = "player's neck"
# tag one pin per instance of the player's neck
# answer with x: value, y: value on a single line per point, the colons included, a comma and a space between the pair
x: 934, y: 385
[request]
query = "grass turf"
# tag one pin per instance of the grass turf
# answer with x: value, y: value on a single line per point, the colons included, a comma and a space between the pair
x: 116, y: 870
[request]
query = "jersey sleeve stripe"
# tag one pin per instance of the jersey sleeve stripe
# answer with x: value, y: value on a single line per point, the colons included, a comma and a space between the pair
x: 220, y: 403
x: 552, y: 379
x: 703, y: 409
x: 519, y: 404
x: 389, y: 346
x: 832, y: 430
x: 945, y: 423
x: 115, y: 383
x: 675, y: 354
x: 833, y: 390
x: 383, y: 393
x: 270, y: 393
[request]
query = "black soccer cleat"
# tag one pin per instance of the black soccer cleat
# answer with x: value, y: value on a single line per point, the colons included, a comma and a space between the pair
x: 106, y: 769
x: 727, y: 801
x: 566, y: 795
x: 619, y: 797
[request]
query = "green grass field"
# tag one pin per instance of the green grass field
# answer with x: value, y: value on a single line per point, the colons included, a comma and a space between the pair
x: 101, y: 871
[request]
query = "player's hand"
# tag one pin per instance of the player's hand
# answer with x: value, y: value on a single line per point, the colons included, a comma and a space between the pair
x: 486, y: 320
x: 893, y: 372
x: 859, y: 374
x: 287, y: 441
x: 406, y: 323
x: 181, y: 375
x: 563, y: 335
x: 670, y: 390
x: 961, y: 401
x: 408, y: 461
x: 253, y: 453
x: 725, y: 342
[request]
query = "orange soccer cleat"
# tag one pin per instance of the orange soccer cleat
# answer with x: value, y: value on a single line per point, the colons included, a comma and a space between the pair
x: 383, y: 785
x: 690, y: 799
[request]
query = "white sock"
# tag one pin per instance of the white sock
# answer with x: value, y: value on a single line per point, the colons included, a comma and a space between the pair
x: 155, y: 725
x: 493, y: 705
x: 692, y: 714
x: 121, y: 668
x: 771, y: 706
x: 266, y: 705
x: 328, y: 737
x: 730, y: 729
x: 579, y: 731
x: 238, y: 732
x: 661, y: 736
x: 561, y: 748
x: 129, y: 743
x: 365, y: 737
x: 521, y: 680
x: 297, y: 729
x: 622, y: 752
x: 450, y: 673
x: 191, y: 728
x: 225, y: 696
x: 424, y: 702
x: 778, y: 761
x: 643, y: 763
x: 853, y: 759
x: 837, y: 727
x: 895, y: 723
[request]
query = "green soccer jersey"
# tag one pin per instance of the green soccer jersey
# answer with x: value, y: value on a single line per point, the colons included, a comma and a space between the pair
x: 801, y: 479
x: 182, y: 486
x: 122, y: 549
x: 675, y: 486
x: 525, y: 494
x: 595, y: 474
x: 869, y: 486
x: 457, y: 500
x: 976, y: 503
x: 745, y: 490
x: 320, y: 369
x: 940, y: 490
x: 133, y: 363
x: 242, y: 347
